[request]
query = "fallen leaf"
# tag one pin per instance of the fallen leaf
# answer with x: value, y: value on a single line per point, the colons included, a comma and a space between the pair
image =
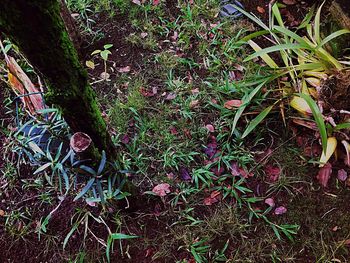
x: 185, y: 175
x: 124, y: 69
x: 195, y: 91
x: 136, y: 2
x: 143, y: 34
x: 171, y: 96
x: 210, y: 127
x: 156, y: 2
x: 289, y: 2
x: 324, y: 174
x: 273, y: 172
x: 270, y: 202
x: 2, y: 212
x: 260, y: 9
x: 235, y: 169
x: 125, y: 139
x: 342, y: 175
x: 280, y: 210
x: 194, y: 104
x: 211, y: 149
x: 173, y: 130
x: 214, y: 197
x: 90, y: 64
x: 161, y: 189
x: 230, y: 104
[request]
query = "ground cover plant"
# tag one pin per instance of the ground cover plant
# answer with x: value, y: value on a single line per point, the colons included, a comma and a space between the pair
x: 214, y: 161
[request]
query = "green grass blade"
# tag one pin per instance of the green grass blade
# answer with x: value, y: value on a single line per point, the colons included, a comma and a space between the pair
x: 263, y: 52
x: 276, y: 13
x: 332, y: 36
x: 341, y: 126
x: 308, y: 17
x: 317, y: 24
x: 85, y: 189
x: 245, y: 104
x: 256, y: 121
x: 292, y: 35
x: 266, y: 58
x: 318, y: 118
x: 252, y: 17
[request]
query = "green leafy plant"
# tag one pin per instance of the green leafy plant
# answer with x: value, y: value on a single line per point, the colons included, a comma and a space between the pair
x: 104, y: 54
x: 306, y: 60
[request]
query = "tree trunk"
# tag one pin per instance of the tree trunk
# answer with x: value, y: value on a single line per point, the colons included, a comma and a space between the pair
x: 71, y: 27
x: 37, y: 28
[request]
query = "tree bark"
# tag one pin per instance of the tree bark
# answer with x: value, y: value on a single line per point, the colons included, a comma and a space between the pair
x: 37, y: 28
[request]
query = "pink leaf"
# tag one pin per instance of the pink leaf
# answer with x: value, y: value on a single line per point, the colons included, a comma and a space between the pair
x: 270, y: 202
x: 280, y: 210
x: 161, y: 189
x: 342, y: 175
x: 210, y: 127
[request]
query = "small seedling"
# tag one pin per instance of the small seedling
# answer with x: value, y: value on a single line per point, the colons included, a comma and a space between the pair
x: 104, y: 54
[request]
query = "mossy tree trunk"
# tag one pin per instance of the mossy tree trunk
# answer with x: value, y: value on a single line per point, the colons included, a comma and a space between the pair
x: 37, y: 28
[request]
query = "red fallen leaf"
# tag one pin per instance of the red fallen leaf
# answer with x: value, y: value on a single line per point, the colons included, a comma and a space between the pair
x: 156, y: 2
x: 273, y: 172
x: 210, y: 127
x: 313, y: 150
x: 187, y: 133
x: 260, y: 9
x: 324, y: 174
x: 230, y: 104
x: 145, y: 92
x: 161, y: 189
x: 125, y: 139
x: 289, y: 2
x: 214, y: 197
x: 217, y: 171
x: 124, y: 69
x: 173, y: 130
x: 244, y: 173
x: 280, y: 210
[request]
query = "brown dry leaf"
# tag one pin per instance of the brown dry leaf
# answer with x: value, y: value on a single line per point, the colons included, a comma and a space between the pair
x: 161, y: 189
x: 2, y: 212
x: 194, y: 104
x: 214, y: 197
x: 260, y: 9
x: 289, y: 2
x: 21, y: 84
x: 230, y: 104
x: 324, y: 174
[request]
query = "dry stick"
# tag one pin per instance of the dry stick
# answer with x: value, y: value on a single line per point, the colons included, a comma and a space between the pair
x: 269, y: 155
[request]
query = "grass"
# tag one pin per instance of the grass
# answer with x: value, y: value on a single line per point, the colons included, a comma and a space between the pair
x: 195, y: 63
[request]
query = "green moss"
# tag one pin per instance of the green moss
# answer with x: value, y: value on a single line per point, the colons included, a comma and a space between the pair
x: 45, y: 42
